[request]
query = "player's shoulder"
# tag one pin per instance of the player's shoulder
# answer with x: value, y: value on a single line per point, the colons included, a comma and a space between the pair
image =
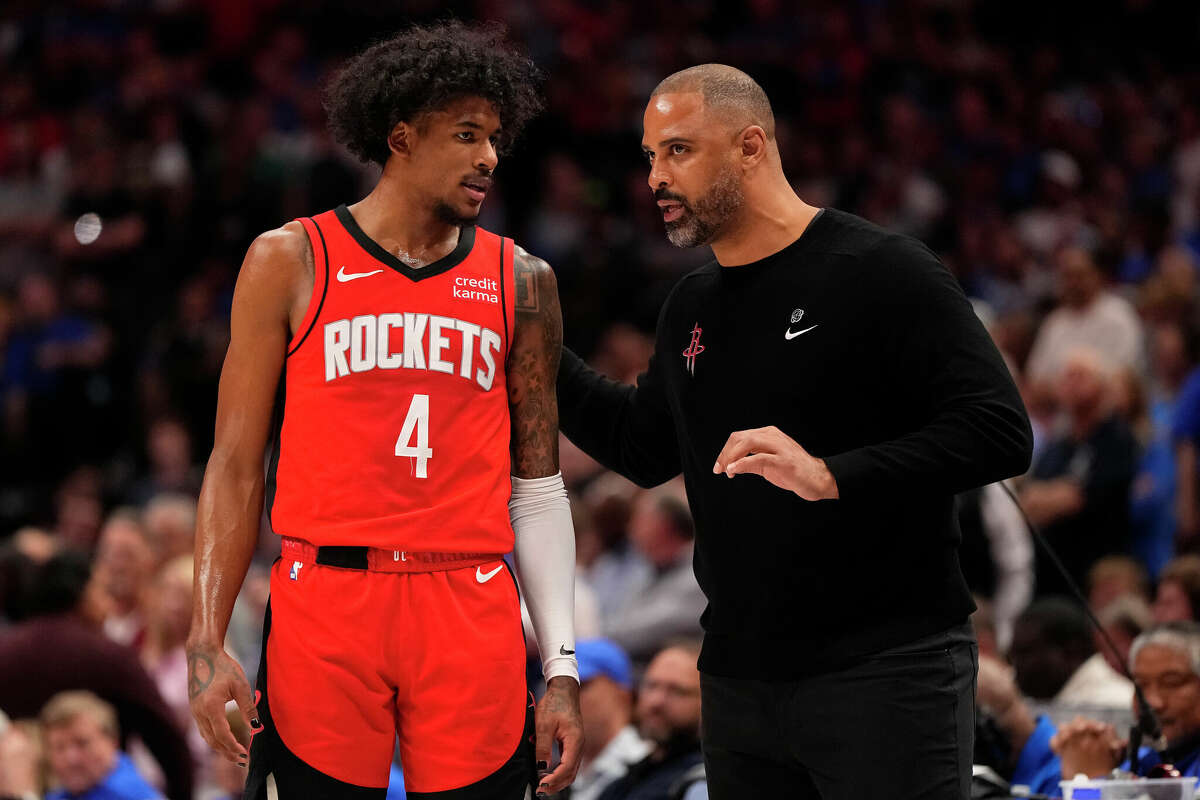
x: 281, y: 257
x: 288, y: 241
x: 530, y: 271
x: 526, y: 260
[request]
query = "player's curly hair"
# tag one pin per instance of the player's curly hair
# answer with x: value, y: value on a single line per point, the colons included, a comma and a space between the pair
x: 421, y: 69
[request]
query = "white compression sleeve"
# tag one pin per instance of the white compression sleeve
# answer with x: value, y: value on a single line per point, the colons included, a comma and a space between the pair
x: 545, y: 558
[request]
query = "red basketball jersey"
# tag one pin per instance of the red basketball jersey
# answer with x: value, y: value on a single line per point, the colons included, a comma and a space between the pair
x: 393, y: 420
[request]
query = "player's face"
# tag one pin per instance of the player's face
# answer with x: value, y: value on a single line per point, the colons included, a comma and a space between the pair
x: 80, y: 753
x: 693, y: 172
x: 454, y: 155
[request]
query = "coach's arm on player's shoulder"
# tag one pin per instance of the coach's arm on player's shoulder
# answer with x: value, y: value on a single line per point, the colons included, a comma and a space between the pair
x: 270, y: 298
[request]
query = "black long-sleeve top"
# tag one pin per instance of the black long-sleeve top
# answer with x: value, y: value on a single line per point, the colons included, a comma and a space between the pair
x: 858, y: 344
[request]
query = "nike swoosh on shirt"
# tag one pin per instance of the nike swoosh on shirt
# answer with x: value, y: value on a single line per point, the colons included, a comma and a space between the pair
x: 788, y: 334
x: 563, y: 651
x: 484, y: 577
x: 344, y: 276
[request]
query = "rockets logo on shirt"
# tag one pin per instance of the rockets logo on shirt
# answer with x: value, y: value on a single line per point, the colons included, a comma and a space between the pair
x: 694, y: 349
x: 411, y: 341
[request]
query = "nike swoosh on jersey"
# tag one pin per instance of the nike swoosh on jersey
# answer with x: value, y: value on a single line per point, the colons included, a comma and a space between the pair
x: 788, y: 334
x: 344, y: 276
x: 563, y: 651
x: 484, y: 577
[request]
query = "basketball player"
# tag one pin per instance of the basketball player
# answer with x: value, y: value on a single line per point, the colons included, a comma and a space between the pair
x: 413, y: 355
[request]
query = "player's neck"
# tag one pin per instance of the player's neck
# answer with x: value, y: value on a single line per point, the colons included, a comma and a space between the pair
x: 771, y: 218
x: 404, y: 226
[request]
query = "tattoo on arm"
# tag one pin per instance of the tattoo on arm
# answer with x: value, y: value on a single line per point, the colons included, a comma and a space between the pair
x: 526, y: 280
x: 200, y: 674
x: 533, y: 368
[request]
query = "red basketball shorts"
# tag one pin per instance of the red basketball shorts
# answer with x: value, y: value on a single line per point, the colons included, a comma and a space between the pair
x: 424, y: 647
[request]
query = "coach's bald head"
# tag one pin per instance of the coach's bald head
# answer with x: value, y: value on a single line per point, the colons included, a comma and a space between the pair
x: 732, y: 94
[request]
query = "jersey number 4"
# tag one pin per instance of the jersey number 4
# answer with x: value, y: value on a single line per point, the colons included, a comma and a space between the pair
x: 417, y: 422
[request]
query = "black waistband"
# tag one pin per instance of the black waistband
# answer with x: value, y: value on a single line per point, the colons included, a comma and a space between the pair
x: 344, y: 556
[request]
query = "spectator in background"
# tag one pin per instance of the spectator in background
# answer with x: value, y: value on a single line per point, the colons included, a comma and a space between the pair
x: 1078, y: 487
x: 84, y: 753
x: 1178, y: 595
x: 1055, y: 661
x: 170, y: 523
x: 22, y: 760
x: 1123, y: 619
x: 66, y: 615
x: 665, y: 601
x: 1089, y: 316
x: 1185, y: 436
x: 46, y: 367
x: 668, y: 714
x: 124, y: 564
x: 996, y: 554
x: 168, y: 616
x: 611, y: 743
x: 79, y: 509
x: 1150, y: 411
x: 609, y: 499
x: 983, y: 622
x: 1165, y: 662
x: 1113, y: 577
x: 1025, y: 758
x: 172, y: 470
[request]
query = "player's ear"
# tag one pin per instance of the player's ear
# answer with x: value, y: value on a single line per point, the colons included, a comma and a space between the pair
x: 402, y: 138
x: 753, y: 144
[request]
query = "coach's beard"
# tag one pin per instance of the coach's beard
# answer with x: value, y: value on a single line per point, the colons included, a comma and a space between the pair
x: 699, y: 224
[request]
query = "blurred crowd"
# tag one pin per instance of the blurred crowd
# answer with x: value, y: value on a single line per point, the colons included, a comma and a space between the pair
x: 1049, y: 153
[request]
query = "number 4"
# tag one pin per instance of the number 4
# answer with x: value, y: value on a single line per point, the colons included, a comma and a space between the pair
x: 418, y: 418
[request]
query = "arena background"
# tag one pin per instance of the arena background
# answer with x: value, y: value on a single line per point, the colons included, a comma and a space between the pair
x: 143, y: 145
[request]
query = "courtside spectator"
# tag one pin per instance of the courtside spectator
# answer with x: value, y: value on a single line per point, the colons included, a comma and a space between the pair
x: 66, y: 613
x: 1055, y: 661
x: 611, y: 742
x: 85, y: 758
x: 668, y: 715
x: 1178, y: 595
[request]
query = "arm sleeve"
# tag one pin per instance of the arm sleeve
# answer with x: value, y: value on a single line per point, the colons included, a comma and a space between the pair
x: 628, y: 429
x: 969, y: 425
x: 544, y: 552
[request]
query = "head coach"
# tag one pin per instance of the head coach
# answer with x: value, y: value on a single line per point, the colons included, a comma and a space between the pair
x: 825, y: 389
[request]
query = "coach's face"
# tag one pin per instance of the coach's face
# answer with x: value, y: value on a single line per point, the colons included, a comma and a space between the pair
x: 693, y: 167
x: 452, y: 153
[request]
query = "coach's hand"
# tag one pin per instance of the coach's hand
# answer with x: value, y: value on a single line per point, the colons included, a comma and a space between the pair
x: 214, y: 679
x: 771, y: 453
x: 558, y: 719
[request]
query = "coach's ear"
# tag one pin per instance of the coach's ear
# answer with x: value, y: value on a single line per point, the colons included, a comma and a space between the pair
x: 752, y: 143
x: 400, y: 140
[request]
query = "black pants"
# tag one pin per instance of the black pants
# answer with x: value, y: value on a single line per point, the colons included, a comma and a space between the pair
x: 898, y: 725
